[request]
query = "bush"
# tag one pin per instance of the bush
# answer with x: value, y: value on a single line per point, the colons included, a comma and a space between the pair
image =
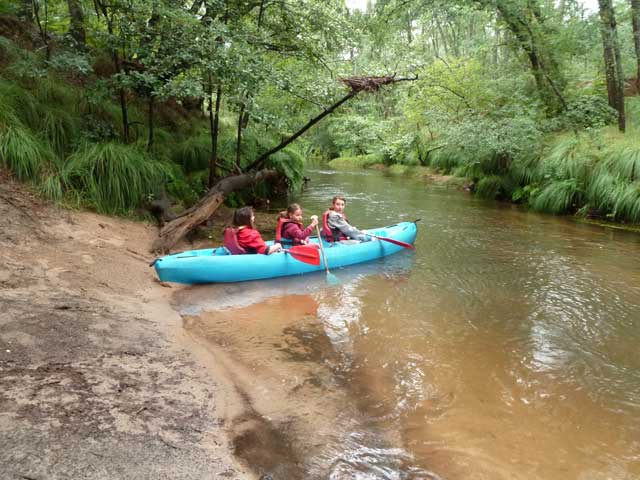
x: 489, y: 187
x: 588, y: 111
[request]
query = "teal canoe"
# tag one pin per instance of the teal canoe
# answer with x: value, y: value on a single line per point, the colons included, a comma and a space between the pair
x: 216, y: 265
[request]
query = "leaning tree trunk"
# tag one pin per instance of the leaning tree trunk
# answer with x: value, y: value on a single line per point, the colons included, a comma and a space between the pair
x: 613, y: 68
x: 258, y: 162
x: 635, y: 22
x: 202, y: 211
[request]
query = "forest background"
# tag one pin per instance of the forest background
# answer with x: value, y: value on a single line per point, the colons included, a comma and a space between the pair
x: 115, y: 105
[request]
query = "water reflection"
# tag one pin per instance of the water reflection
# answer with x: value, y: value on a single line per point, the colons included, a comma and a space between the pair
x: 197, y: 298
x: 504, y: 348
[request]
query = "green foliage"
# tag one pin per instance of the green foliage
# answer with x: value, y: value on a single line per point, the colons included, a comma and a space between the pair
x: 356, y: 134
x: 570, y: 157
x: 589, y: 111
x: 357, y: 161
x: 290, y: 163
x: 71, y: 63
x: 59, y: 129
x: 489, y: 187
x: 627, y: 202
x: 8, y: 51
x: 447, y: 159
x: 21, y: 152
x: 623, y: 159
x: 114, y: 177
x: 21, y: 103
x: 193, y: 154
x: 51, y: 186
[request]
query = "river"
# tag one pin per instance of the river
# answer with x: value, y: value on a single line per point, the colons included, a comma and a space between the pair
x: 505, y: 347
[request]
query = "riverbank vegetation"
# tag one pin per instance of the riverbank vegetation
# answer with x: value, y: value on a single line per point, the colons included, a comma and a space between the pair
x: 116, y: 106
x: 522, y: 99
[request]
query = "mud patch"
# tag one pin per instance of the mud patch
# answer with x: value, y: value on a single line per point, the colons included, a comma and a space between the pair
x: 266, y: 447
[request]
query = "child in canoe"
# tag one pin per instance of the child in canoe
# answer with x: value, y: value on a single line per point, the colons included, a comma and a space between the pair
x: 336, y: 227
x: 244, y: 238
x: 290, y: 229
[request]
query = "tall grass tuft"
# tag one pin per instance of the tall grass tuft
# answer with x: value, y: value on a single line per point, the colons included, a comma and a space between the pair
x: 21, y: 152
x: 20, y: 102
x: 622, y: 158
x: 51, y: 186
x: 446, y: 159
x: 115, y: 177
x: 52, y: 92
x: 602, y: 190
x: 627, y: 202
x: 193, y: 154
x: 559, y: 196
x: 571, y: 157
x: 60, y: 129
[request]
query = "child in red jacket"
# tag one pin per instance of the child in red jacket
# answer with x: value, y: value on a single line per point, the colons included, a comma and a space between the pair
x: 248, y: 237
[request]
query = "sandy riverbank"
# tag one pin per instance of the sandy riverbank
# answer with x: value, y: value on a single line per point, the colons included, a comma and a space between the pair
x: 97, y: 377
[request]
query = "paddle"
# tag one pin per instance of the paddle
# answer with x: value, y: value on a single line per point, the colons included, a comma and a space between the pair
x: 392, y: 240
x: 305, y: 254
x: 331, y: 278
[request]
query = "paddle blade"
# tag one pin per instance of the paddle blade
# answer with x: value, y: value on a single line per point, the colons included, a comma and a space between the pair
x: 394, y: 241
x: 332, y: 279
x: 305, y: 254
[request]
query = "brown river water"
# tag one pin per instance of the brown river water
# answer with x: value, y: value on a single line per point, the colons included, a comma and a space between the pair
x: 507, y: 346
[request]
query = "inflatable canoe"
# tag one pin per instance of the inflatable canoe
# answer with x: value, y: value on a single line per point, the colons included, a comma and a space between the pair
x: 217, y: 265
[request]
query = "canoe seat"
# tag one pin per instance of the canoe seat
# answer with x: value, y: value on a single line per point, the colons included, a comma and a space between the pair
x: 230, y: 241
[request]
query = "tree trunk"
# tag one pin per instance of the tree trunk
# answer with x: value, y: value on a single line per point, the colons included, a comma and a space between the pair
x: 118, y: 67
x: 44, y: 35
x: 26, y: 10
x: 519, y: 22
x: 206, y: 207
x: 239, y: 137
x: 150, y: 122
x: 76, y: 26
x: 613, y: 69
x: 635, y: 22
x: 214, y: 120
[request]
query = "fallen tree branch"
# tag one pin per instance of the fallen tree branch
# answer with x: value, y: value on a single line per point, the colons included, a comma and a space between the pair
x: 206, y: 207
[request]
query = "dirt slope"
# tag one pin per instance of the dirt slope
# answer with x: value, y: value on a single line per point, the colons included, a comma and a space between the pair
x: 94, y: 382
